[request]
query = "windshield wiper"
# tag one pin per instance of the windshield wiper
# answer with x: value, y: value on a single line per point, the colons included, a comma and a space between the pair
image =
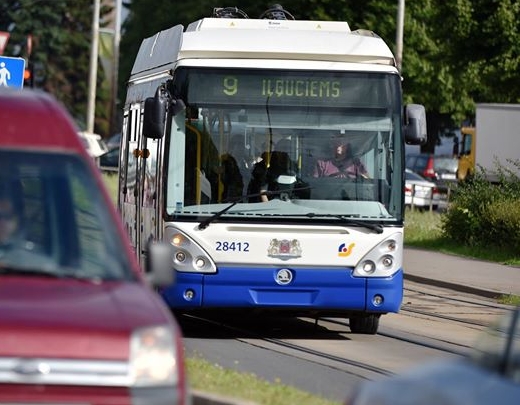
x: 204, y: 224
x: 348, y: 220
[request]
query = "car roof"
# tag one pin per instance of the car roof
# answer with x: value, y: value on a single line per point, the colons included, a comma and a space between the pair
x: 33, y: 119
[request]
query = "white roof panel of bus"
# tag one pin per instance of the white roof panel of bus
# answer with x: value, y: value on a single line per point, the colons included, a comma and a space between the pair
x: 303, y: 40
x: 256, y: 24
x: 248, y: 39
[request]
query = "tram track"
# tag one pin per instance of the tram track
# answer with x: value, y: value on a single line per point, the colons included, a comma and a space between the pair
x: 447, y: 305
x: 284, y: 346
x: 311, y: 351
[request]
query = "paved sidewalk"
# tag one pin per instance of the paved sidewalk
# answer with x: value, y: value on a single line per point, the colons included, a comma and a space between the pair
x: 468, y: 275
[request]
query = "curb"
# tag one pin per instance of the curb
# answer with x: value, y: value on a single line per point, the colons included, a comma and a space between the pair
x: 454, y: 286
x: 204, y: 398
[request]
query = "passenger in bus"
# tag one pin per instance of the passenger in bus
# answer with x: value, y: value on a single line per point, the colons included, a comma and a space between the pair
x: 233, y: 184
x: 241, y: 152
x: 258, y: 179
x: 342, y: 164
x: 267, y: 171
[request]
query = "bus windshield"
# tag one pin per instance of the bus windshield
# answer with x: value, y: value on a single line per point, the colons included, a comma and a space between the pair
x: 286, y: 143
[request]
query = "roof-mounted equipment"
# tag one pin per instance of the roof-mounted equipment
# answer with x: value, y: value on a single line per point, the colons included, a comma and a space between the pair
x: 228, y: 12
x: 276, y: 12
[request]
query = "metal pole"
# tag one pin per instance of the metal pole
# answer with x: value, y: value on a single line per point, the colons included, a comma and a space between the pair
x: 399, y: 35
x: 91, y: 108
x: 117, y: 40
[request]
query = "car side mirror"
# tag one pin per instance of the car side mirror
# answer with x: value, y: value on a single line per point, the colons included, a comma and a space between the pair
x: 159, y: 269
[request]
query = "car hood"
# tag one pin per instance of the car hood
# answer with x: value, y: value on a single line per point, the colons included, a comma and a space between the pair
x: 42, y: 317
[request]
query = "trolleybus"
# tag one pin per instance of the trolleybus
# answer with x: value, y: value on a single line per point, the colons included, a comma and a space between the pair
x: 225, y: 124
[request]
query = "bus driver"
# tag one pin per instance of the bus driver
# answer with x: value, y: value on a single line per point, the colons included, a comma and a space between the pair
x: 343, y: 164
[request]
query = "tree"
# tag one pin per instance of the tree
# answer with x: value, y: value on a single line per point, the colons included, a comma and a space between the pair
x: 61, y: 32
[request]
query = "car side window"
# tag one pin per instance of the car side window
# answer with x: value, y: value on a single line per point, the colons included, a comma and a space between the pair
x: 35, y: 215
x: 96, y: 243
x: 90, y: 235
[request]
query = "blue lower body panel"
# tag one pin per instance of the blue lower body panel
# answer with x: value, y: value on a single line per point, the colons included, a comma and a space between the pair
x: 299, y: 289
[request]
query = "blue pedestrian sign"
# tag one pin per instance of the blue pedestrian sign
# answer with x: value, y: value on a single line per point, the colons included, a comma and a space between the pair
x: 11, y: 72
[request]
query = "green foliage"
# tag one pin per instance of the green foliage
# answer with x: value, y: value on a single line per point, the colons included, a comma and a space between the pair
x: 483, y: 214
x: 424, y: 230
x: 422, y: 227
x: 513, y: 300
x: 502, y: 222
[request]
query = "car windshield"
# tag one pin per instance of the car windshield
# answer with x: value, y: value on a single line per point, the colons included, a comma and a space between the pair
x: 53, y: 220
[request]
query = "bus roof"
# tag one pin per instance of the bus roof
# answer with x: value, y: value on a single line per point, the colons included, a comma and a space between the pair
x: 229, y: 38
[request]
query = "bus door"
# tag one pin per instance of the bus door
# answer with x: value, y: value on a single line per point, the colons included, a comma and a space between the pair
x: 149, y: 188
x: 129, y: 190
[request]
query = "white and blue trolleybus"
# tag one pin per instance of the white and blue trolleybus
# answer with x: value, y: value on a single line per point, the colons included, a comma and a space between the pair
x: 269, y: 154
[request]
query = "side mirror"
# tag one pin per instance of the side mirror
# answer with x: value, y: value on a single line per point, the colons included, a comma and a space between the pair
x: 155, y: 109
x: 415, y: 128
x: 155, y: 112
x: 159, y: 266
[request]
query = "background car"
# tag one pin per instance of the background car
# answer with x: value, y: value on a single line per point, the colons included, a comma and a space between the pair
x: 110, y: 159
x: 93, y: 143
x: 439, y: 168
x: 489, y: 375
x: 419, y: 192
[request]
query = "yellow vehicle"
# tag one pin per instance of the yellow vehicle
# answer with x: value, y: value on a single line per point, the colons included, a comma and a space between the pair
x: 467, y: 153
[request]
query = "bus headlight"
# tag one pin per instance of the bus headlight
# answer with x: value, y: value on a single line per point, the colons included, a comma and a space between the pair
x: 387, y: 261
x: 188, y: 255
x: 368, y: 266
x: 180, y: 256
x: 179, y: 240
x: 383, y: 260
x: 200, y: 263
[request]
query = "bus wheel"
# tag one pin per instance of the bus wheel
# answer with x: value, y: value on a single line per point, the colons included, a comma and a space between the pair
x: 366, y: 324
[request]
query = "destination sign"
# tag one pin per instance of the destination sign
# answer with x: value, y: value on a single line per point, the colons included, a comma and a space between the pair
x: 269, y: 87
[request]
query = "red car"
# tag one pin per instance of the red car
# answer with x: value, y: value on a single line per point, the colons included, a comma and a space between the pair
x: 79, y: 320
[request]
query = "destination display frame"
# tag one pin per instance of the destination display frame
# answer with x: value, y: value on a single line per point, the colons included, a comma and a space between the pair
x: 288, y: 88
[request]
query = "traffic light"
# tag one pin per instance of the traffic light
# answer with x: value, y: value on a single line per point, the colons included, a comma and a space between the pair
x: 28, y: 75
